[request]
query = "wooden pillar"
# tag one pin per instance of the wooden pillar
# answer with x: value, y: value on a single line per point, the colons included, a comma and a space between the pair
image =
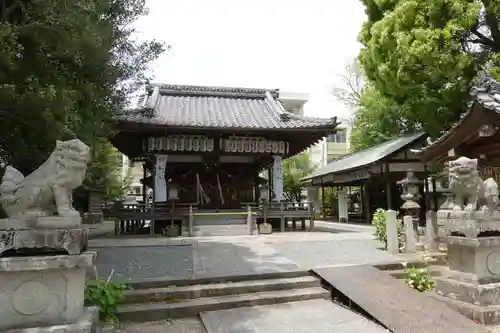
x: 423, y: 210
x: 152, y: 221
x: 256, y: 189
x: 388, y: 186
x: 217, y: 194
x: 270, y: 183
x: 144, y: 187
x: 362, y: 199
x: 343, y: 209
x: 282, y: 218
x: 366, y: 201
x: 322, y: 212
x: 434, y: 195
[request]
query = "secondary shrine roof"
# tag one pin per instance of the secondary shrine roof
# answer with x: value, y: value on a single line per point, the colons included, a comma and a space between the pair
x: 485, y: 98
x: 219, y: 107
x: 365, y: 157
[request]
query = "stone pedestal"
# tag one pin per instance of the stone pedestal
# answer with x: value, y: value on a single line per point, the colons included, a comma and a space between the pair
x: 469, y: 224
x: 42, y: 264
x: 265, y: 228
x: 42, y: 234
x: 473, y: 285
x: 45, y: 294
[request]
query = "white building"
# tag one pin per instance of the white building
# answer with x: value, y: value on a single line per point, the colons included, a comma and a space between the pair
x: 332, y: 146
x: 293, y: 102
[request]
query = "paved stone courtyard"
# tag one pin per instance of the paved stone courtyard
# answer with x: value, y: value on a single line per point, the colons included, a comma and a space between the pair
x: 137, y: 258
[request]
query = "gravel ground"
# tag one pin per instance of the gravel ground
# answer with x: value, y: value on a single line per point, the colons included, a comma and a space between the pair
x: 185, y: 325
x: 131, y: 263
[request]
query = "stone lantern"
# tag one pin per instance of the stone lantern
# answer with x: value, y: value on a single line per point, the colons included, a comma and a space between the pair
x: 410, y: 186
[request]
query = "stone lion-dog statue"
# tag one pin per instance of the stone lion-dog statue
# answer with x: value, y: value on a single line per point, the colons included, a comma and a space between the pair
x: 467, y: 186
x: 47, y: 191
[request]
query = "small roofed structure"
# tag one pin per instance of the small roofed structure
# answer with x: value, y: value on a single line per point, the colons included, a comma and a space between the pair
x: 476, y: 134
x: 209, y: 143
x: 374, y: 172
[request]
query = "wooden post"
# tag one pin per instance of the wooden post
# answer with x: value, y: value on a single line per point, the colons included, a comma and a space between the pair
x: 311, y: 216
x: 388, y: 186
x: 144, y: 187
x: 249, y: 220
x: 434, y: 195
x: 366, y: 201
x: 152, y: 217
x: 282, y: 218
x: 190, y: 221
x: 426, y: 184
x: 322, y: 210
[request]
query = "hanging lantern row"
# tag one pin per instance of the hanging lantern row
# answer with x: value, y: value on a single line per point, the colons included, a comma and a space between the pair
x: 194, y: 143
x: 253, y: 145
x: 200, y: 143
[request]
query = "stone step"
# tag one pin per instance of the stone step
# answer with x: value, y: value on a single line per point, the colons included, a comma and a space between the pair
x: 221, y: 230
x: 152, y: 283
x: 218, y: 289
x: 190, y: 308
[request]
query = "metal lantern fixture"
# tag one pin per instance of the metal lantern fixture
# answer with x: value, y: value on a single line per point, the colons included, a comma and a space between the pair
x: 264, y: 192
x: 173, y: 192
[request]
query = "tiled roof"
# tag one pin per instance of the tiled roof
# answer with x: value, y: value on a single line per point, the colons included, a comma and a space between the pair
x: 205, y: 107
x: 486, y: 93
x: 365, y: 157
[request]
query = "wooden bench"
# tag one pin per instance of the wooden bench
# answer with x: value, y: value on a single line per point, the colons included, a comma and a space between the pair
x: 392, y: 303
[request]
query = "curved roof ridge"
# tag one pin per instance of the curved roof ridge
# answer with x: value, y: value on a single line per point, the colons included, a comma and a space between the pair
x: 219, y: 107
x: 195, y: 90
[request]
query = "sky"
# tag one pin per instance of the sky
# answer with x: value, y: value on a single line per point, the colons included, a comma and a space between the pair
x: 295, y: 45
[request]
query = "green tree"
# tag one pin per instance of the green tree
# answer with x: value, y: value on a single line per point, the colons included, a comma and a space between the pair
x: 66, y: 68
x: 377, y: 119
x: 352, y: 85
x: 294, y: 169
x: 420, y: 56
x: 106, y: 171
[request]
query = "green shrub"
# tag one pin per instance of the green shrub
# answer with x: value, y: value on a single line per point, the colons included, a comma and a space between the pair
x: 106, y: 296
x: 331, y: 207
x: 418, y: 278
x: 380, y: 224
